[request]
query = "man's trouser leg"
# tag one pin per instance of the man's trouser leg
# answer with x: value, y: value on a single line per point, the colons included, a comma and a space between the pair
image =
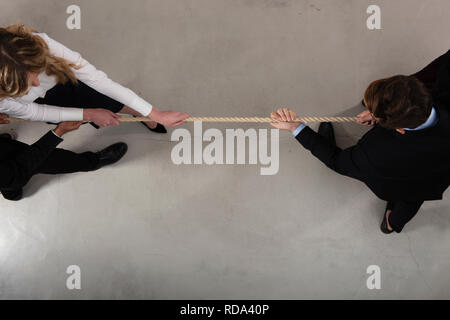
x: 59, y: 161
x: 65, y: 161
x: 402, y: 213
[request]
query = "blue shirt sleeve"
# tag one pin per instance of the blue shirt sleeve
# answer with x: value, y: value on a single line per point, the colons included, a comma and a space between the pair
x: 299, y: 128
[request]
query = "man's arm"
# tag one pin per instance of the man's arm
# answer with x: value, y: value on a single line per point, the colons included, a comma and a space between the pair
x: 344, y: 162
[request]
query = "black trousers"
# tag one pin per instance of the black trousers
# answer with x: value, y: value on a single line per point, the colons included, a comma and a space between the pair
x: 66, y: 95
x: 79, y: 95
x: 402, y: 212
x: 59, y: 160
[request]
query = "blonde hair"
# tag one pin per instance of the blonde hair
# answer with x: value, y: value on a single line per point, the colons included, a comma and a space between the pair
x: 22, y: 52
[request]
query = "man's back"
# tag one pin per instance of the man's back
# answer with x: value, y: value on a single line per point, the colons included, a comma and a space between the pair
x: 414, y: 165
x: 411, y: 166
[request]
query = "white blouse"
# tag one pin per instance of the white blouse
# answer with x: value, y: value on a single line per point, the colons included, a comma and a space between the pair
x: 24, y: 107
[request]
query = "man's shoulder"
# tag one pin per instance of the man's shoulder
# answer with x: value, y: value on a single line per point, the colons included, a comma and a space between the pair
x: 441, y: 88
x: 377, y: 133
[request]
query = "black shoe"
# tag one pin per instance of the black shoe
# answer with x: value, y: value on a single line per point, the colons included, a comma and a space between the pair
x: 326, y: 131
x: 383, y: 226
x: 13, y: 195
x: 111, y: 154
x: 158, y: 129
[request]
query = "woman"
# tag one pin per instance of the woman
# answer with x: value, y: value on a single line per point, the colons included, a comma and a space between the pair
x: 42, y: 80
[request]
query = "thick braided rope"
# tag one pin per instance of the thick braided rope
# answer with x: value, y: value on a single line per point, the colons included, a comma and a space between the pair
x: 259, y: 119
x: 236, y: 119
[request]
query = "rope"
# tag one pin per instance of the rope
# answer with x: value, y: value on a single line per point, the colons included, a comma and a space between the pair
x: 232, y: 119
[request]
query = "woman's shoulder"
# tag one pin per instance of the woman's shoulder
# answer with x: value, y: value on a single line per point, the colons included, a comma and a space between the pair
x: 44, y: 37
x: 56, y: 48
x: 9, y: 101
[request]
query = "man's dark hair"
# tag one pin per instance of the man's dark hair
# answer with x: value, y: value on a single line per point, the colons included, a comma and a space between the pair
x: 399, y: 102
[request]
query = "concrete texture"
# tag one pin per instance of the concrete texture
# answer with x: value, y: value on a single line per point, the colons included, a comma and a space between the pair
x: 146, y: 228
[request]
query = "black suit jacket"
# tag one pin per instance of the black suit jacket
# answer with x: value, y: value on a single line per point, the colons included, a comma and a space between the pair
x: 411, y: 166
x: 18, y: 161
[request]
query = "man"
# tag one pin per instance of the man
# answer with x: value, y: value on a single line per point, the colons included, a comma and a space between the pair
x: 19, y: 161
x: 405, y: 158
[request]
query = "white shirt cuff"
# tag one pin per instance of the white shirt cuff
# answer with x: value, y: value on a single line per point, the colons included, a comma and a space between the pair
x: 141, y: 106
x: 71, y: 114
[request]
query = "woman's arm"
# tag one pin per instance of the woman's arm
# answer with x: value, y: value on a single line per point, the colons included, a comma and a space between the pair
x: 97, y: 79
x: 42, y: 112
x: 39, y: 112
x: 4, y: 118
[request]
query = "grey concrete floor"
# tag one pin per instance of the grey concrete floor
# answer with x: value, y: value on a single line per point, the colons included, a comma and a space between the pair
x: 146, y: 228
